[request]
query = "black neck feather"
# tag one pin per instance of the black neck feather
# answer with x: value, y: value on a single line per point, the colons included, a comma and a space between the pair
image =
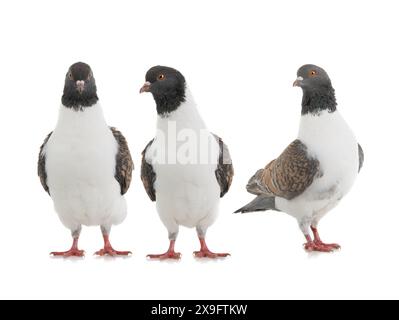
x: 316, y: 101
x: 169, y: 101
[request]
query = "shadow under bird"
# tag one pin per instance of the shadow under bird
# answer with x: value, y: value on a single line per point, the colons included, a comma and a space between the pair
x: 316, y: 170
x: 186, y: 191
x: 84, y: 164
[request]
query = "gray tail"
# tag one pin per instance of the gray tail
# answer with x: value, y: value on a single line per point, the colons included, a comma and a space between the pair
x: 260, y: 203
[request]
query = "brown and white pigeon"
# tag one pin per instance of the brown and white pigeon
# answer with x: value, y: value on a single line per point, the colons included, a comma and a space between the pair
x: 84, y: 164
x: 316, y: 170
x: 185, y: 168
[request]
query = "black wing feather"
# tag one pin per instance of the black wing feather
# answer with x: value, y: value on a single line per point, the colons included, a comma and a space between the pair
x: 148, y: 175
x: 124, y: 163
x: 41, y: 165
x: 224, y: 171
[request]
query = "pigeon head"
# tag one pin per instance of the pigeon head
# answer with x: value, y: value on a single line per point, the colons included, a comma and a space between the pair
x: 318, y: 93
x: 311, y: 77
x: 80, y: 89
x: 167, y: 86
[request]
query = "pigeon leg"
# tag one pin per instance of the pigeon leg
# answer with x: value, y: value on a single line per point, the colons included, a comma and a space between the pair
x: 317, y: 240
x: 73, y: 252
x: 206, y: 253
x: 108, y: 250
x: 311, y: 246
x: 170, y: 254
x: 314, y: 246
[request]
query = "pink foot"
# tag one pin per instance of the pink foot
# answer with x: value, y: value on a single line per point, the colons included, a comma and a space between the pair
x: 73, y: 252
x: 108, y: 250
x: 206, y: 253
x: 209, y: 254
x: 314, y: 247
x: 166, y: 255
x: 318, y: 242
x: 69, y: 253
x: 332, y: 246
x: 111, y: 252
x: 170, y: 254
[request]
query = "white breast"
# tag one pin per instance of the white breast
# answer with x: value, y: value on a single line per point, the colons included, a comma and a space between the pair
x: 332, y: 142
x: 186, y: 187
x: 80, y: 164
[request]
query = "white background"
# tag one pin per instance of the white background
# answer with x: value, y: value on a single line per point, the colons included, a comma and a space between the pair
x: 240, y: 59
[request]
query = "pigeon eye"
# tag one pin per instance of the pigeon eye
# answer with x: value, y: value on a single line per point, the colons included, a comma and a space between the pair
x: 312, y: 73
x: 70, y: 76
x: 161, y: 77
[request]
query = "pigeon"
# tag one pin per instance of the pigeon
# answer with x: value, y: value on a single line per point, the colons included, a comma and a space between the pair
x: 317, y: 169
x: 186, y: 189
x: 85, y: 165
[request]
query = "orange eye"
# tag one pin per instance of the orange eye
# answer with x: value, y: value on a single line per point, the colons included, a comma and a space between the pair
x: 161, y: 77
x: 312, y: 73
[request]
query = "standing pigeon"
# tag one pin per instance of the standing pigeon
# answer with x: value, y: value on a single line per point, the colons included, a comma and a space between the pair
x: 84, y: 165
x: 317, y: 169
x: 185, y: 168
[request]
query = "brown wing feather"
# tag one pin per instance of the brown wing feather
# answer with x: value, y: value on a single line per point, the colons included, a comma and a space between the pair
x: 148, y: 175
x: 287, y: 176
x: 224, y: 171
x: 124, y: 162
x: 41, y: 165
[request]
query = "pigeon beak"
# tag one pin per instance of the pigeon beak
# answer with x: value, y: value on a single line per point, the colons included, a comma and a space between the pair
x: 297, y: 82
x: 80, y: 86
x: 146, y: 87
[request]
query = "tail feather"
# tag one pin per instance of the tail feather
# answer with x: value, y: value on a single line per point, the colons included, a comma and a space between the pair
x: 260, y: 203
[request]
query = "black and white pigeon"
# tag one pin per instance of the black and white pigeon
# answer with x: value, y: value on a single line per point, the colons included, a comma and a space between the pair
x: 84, y: 164
x: 316, y: 170
x: 186, y: 169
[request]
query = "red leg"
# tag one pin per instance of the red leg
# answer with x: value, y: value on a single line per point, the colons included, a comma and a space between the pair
x: 315, y: 246
x: 312, y: 246
x: 73, y: 252
x: 170, y: 254
x: 206, y: 253
x: 317, y: 240
x: 108, y: 250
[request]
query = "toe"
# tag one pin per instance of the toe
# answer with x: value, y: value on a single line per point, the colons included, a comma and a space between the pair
x: 165, y: 256
x: 223, y: 255
x: 123, y: 253
x: 100, y: 253
x: 210, y: 254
